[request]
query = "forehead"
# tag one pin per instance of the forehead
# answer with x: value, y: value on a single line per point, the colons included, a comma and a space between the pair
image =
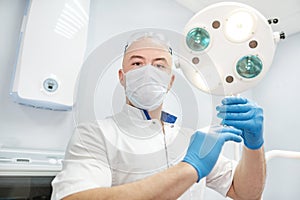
x: 147, y: 42
x: 147, y: 48
x: 148, y: 54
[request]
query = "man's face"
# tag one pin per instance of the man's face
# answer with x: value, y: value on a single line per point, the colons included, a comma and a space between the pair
x: 145, y: 52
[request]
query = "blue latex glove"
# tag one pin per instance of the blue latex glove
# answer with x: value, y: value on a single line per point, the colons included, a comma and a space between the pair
x: 246, y: 116
x: 204, y: 149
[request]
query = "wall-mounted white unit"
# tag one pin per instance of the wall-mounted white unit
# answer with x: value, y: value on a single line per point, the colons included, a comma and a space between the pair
x: 52, y: 46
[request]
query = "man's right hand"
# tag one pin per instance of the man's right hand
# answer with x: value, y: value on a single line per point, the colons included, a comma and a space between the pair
x: 204, y: 149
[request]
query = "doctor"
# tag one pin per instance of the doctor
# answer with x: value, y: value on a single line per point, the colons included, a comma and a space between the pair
x: 140, y: 153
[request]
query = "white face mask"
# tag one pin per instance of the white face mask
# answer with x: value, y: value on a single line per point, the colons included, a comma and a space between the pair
x: 146, y: 87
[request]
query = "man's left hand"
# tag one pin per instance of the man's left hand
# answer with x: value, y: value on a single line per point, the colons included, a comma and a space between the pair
x: 242, y: 114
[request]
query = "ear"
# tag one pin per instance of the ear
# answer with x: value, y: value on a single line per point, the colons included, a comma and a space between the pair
x: 122, y: 77
x: 171, y: 82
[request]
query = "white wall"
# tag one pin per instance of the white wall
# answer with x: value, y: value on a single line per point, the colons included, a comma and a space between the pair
x: 279, y: 95
x: 21, y: 126
x: 25, y: 127
x: 110, y: 18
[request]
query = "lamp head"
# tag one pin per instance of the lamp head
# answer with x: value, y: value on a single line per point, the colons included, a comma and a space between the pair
x: 228, y: 48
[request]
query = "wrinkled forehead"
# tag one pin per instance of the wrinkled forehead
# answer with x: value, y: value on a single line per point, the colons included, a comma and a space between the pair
x: 147, y: 43
x: 149, y: 48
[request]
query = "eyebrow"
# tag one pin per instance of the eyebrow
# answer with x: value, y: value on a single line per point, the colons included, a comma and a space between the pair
x: 136, y: 56
x: 161, y: 59
x: 156, y: 59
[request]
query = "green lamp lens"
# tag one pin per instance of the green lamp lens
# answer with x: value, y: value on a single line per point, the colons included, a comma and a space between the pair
x: 197, y: 39
x: 249, y: 66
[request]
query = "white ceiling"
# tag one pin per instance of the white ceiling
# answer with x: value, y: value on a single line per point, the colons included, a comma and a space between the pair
x: 287, y: 11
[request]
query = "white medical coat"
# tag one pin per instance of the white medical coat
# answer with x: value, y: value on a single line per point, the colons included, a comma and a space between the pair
x: 127, y: 147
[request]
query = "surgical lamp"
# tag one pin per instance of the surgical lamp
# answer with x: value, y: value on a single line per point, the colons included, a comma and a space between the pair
x: 228, y: 48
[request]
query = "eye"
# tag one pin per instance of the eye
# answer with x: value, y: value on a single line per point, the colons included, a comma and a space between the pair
x: 137, y: 64
x: 163, y: 67
x: 160, y: 66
